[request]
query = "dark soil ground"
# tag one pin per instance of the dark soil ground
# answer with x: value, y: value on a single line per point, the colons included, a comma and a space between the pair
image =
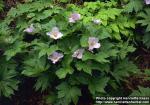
x: 141, y: 57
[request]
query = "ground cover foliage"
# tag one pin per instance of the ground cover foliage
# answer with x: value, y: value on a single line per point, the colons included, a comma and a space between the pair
x: 70, y: 44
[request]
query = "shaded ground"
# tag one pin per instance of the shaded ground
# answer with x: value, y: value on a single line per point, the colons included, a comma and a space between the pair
x: 142, y: 58
x: 25, y: 96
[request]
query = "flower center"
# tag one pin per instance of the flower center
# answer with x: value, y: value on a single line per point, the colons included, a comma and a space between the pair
x: 55, y: 33
x: 78, y: 53
x: 55, y: 57
x: 92, y: 43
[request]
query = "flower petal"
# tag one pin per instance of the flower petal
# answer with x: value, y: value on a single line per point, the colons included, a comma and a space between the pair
x: 55, y: 29
x: 30, y: 29
x: 97, y: 45
x: 91, y: 48
x: 48, y: 33
x: 59, y: 35
x: 55, y: 34
x: 97, y: 21
x: 147, y: 1
x: 78, y: 53
x: 71, y: 20
x: 93, y: 43
x: 74, y: 17
x: 55, y: 57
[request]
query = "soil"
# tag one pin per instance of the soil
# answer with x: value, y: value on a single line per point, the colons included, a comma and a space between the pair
x: 25, y: 96
x: 141, y: 57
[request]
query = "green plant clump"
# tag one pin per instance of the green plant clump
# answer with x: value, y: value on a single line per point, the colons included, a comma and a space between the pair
x: 67, y: 46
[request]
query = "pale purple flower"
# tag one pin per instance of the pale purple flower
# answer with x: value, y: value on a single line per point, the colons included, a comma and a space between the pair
x: 93, y: 43
x: 55, y: 33
x: 147, y: 1
x: 97, y: 21
x: 74, y: 17
x: 30, y: 29
x: 55, y: 57
x: 78, y: 53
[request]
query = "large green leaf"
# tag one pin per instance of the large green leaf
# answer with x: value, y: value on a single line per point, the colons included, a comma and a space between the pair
x: 84, y: 40
x: 100, y: 57
x: 44, y: 49
x: 66, y: 67
x: 124, y: 49
x: 84, y: 66
x: 134, y: 5
x: 141, y: 92
x: 8, y: 78
x: 34, y: 66
x: 71, y: 95
x: 146, y: 40
x: 44, y: 81
x: 62, y: 72
x: 17, y: 47
x: 98, y: 84
x: 1, y: 5
x: 145, y: 21
x: 124, y: 68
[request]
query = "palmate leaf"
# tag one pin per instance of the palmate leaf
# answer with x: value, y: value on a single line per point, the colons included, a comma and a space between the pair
x: 4, y: 28
x: 66, y: 67
x: 95, y: 31
x: 1, y: 5
x: 125, y: 48
x: 45, y: 49
x: 17, y: 47
x: 62, y: 72
x: 34, y: 66
x: 84, y: 66
x: 98, y: 84
x: 100, y: 57
x: 51, y: 98
x: 8, y: 80
x: 71, y: 95
x: 107, y: 50
x: 69, y: 44
x: 146, y: 40
x: 84, y: 41
x: 44, y: 81
x: 141, y: 92
x: 103, y: 34
x: 123, y: 69
x: 134, y: 5
x: 121, y: 26
x: 106, y: 14
x: 145, y: 21
x: 45, y: 14
x: 28, y: 7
